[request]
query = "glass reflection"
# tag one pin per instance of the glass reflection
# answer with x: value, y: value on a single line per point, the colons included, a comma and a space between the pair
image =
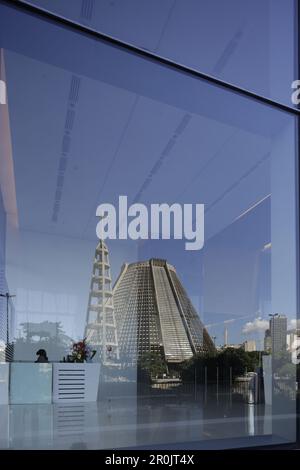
x: 173, y: 326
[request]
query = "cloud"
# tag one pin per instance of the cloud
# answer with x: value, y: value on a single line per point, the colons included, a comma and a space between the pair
x: 256, y: 326
x: 293, y: 324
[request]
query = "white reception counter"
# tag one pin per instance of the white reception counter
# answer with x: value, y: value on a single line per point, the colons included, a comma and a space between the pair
x: 22, y: 383
x: 75, y: 382
x: 30, y: 383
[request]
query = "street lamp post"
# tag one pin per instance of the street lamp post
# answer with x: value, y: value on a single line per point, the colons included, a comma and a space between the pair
x: 7, y: 296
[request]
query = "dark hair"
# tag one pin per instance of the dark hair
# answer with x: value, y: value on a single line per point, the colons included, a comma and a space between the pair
x: 41, y: 352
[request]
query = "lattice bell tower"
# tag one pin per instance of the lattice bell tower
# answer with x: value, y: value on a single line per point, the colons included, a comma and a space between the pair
x: 101, y: 331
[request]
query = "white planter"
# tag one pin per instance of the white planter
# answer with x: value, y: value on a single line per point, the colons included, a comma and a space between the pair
x: 4, y: 382
x: 75, y: 383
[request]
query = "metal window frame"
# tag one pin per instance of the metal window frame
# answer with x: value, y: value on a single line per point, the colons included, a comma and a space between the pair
x: 51, y: 17
x: 75, y: 26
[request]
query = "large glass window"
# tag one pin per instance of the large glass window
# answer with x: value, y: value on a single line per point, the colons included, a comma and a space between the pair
x: 193, y: 344
x: 250, y: 44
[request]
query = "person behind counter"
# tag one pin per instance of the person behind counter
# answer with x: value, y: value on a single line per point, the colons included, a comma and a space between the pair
x: 42, y: 356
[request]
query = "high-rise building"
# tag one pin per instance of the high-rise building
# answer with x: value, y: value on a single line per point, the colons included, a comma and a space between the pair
x: 101, y: 325
x: 154, y: 314
x: 225, y: 336
x: 278, y: 329
x: 292, y: 337
x: 249, y: 345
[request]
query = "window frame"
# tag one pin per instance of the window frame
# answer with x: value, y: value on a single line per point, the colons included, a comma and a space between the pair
x: 54, y: 18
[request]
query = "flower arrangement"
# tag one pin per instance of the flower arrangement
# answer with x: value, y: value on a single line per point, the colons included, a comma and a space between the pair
x: 81, y: 352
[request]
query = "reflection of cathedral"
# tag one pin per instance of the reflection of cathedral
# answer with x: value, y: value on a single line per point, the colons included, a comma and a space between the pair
x: 148, y: 310
x: 101, y: 326
x: 154, y: 314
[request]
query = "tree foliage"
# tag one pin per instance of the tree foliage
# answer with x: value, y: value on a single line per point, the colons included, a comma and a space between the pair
x: 222, y: 363
x: 153, y: 364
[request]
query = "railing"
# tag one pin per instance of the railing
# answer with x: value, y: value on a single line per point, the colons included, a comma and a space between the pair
x: 209, y: 385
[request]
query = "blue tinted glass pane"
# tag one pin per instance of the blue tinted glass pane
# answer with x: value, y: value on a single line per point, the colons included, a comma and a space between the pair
x: 180, y: 323
x: 251, y: 44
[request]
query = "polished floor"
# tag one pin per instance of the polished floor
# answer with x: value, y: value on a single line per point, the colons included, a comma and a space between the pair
x: 131, y: 422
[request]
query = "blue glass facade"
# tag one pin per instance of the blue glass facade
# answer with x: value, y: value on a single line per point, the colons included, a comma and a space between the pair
x: 88, y: 120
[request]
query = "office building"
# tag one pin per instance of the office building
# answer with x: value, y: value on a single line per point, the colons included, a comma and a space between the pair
x: 292, y: 337
x: 249, y: 345
x: 225, y: 336
x: 278, y: 329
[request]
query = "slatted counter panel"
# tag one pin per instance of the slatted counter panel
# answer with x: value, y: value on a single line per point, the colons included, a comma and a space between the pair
x: 75, y: 383
x: 69, y: 419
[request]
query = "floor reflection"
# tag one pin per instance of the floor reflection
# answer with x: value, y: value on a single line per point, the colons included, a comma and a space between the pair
x: 128, y: 422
